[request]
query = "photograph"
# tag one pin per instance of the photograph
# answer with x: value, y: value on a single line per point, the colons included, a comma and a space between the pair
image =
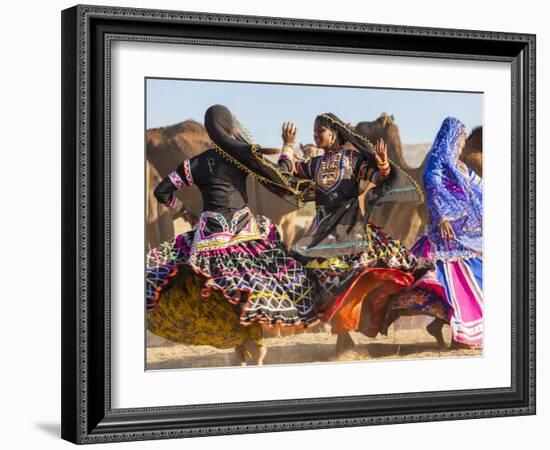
x: 301, y: 224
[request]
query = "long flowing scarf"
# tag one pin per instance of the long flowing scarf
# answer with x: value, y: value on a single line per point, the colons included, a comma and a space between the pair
x: 241, y: 151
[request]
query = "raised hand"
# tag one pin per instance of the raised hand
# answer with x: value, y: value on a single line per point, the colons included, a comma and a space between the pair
x: 381, y: 153
x: 289, y: 133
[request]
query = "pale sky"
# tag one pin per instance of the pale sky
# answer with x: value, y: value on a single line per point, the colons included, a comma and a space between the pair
x: 262, y: 108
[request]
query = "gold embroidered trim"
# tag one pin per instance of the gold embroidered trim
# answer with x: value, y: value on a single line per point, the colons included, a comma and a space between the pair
x: 254, y: 148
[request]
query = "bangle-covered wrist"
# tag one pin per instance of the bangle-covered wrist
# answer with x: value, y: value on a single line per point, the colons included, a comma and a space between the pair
x: 287, y: 151
x: 176, y: 206
x: 384, y: 169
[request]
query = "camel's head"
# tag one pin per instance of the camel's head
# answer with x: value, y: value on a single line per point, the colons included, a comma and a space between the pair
x: 386, y: 128
x: 379, y: 128
x: 474, y: 143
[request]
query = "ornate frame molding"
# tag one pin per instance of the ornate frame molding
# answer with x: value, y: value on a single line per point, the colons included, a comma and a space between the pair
x: 86, y: 67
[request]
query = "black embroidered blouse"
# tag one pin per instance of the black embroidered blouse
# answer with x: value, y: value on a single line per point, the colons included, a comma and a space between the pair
x: 222, y: 184
x: 336, y: 176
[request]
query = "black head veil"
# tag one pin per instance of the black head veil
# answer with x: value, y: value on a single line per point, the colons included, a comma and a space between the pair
x: 219, y: 123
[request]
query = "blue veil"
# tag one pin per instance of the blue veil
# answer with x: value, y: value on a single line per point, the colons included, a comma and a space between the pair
x: 452, y: 195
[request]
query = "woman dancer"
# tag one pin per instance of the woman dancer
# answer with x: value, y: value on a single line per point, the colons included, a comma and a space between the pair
x: 215, y: 284
x: 357, y: 265
x: 454, y: 236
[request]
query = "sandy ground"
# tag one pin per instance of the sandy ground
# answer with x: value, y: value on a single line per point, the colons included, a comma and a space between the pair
x: 311, y: 348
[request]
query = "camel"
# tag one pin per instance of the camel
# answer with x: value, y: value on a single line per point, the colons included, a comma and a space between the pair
x: 402, y: 221
x: 472, y: 154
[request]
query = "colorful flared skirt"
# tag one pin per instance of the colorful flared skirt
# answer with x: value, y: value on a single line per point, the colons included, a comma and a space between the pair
x: 184, y: 316
x: 425, y: 297
x: 461, y: 280
x: 358, y: 288
x: 258, y: 280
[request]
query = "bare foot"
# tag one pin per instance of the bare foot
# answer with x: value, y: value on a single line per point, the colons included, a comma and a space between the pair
x: 344, y: 342
x: 240, y: 355
x: 461, y: 346
x: 257, y: 352
x: 435, y: 329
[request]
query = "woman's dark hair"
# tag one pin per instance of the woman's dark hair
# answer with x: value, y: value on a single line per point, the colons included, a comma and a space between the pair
x: 323, y: 121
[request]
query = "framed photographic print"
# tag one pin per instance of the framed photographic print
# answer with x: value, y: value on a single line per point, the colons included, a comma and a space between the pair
x: 283, y: 224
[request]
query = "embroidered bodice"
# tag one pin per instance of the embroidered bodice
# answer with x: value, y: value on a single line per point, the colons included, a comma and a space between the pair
x: 222, y: 184
x: 336, y: 176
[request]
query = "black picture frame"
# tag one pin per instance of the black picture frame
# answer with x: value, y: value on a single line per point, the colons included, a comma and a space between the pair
x: 87, y: 33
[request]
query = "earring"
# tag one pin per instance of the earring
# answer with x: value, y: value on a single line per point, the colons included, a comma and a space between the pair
x: 332, y: 138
